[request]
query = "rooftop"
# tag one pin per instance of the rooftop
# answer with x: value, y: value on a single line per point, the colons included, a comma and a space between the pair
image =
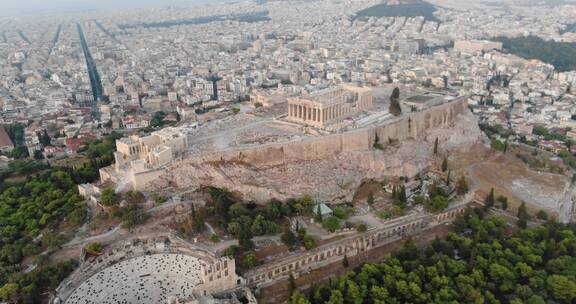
x: 5, y: 140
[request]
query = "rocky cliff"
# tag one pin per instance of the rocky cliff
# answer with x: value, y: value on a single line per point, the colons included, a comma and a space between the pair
x: 329, y: 168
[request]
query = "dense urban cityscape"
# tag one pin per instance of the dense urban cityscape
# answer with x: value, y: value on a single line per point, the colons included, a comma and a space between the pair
x: 271, y: 151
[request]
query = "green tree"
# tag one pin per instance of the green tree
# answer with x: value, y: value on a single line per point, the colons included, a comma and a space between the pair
x: 490, y: 200
x: 231, y: 251
x: 44, y: 138
x: 108, y: 197
x: 94, y: 248
x: 503, y: 202
x: 245, y: 238
x: 331, y: 223
x: 438, y: 204
x: 462, y: 186
x: 542, y: 215
x: 249, y: 261
x: 288, y: 238
x: 444, y: 166
x: 237, y: 210
x: 394, y: 107
x: 291, y: 284
x: 134, y: 197
x: 436, y: 146
x: 198, y: 225
x: 38, y: 155
x: 308, y: 241
x: 133, y: 215
x: 562, y: 288
x: 336, y: 298
x: 522, y: 215
x: 258, y: 226
x: 297, y: 298
x: 377, y: 144
x: 318, y: 215
x: 370, y: 199
x: 9, y: 292
x: 345, y: 262
x: 485, y: 262
x: 158, y: 119
x: 304, y: 205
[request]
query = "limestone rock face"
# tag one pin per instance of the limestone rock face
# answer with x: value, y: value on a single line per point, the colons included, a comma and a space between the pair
x: 332, y: 178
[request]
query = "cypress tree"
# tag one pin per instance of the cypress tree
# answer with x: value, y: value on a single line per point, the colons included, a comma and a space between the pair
x: 291, y: 284
x: 462, y: 186
x: 394, y: 107
x: 319, y: 214
x: 489, y: 201
x: 444, y: 164
x: 345, y: 262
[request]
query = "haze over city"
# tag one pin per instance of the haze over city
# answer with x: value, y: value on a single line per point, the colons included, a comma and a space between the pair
x: 287, y: 151
x: 31, y: 7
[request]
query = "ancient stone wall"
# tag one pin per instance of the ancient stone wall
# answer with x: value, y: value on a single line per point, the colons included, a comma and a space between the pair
x: 309, y: 165
x: 410, y: 125
x: 300, y: 263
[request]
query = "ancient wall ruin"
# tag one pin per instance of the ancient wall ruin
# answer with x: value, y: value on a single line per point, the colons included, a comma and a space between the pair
x: 308, y: 166
x: 394, y: 230
x: 410, y: 125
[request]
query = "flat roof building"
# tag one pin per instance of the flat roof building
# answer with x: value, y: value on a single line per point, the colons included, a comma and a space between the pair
x: 473, y: 46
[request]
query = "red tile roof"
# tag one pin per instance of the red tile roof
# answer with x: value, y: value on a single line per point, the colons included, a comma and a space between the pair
x: 72, y: 144
x: 5, y: 140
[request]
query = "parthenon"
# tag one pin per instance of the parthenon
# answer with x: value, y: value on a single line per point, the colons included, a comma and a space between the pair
x: 328, y: 106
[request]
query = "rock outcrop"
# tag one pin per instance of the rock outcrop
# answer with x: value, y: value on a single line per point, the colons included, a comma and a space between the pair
x: 261, y: 174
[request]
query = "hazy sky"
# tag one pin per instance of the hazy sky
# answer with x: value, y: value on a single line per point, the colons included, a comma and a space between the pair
x: 18, y: 7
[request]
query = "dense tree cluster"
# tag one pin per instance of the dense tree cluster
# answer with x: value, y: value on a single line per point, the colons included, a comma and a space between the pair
x: 132, y: 213
x: 32, y: 287
x: 480, y: 263
x: 560, y: 54
x: 300, y: 238
x: 36, y: 202
x: 100, y: 153
x: 438, y: 199
x: 31, y: 209
x: 158, y: 119
x: 16, y: 134
x: 247, y: 220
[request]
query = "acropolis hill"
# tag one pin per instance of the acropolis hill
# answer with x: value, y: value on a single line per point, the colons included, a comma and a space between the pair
x: 269, y: 154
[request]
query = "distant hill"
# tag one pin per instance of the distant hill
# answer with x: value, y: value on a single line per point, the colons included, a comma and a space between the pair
x: 406, y: 8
